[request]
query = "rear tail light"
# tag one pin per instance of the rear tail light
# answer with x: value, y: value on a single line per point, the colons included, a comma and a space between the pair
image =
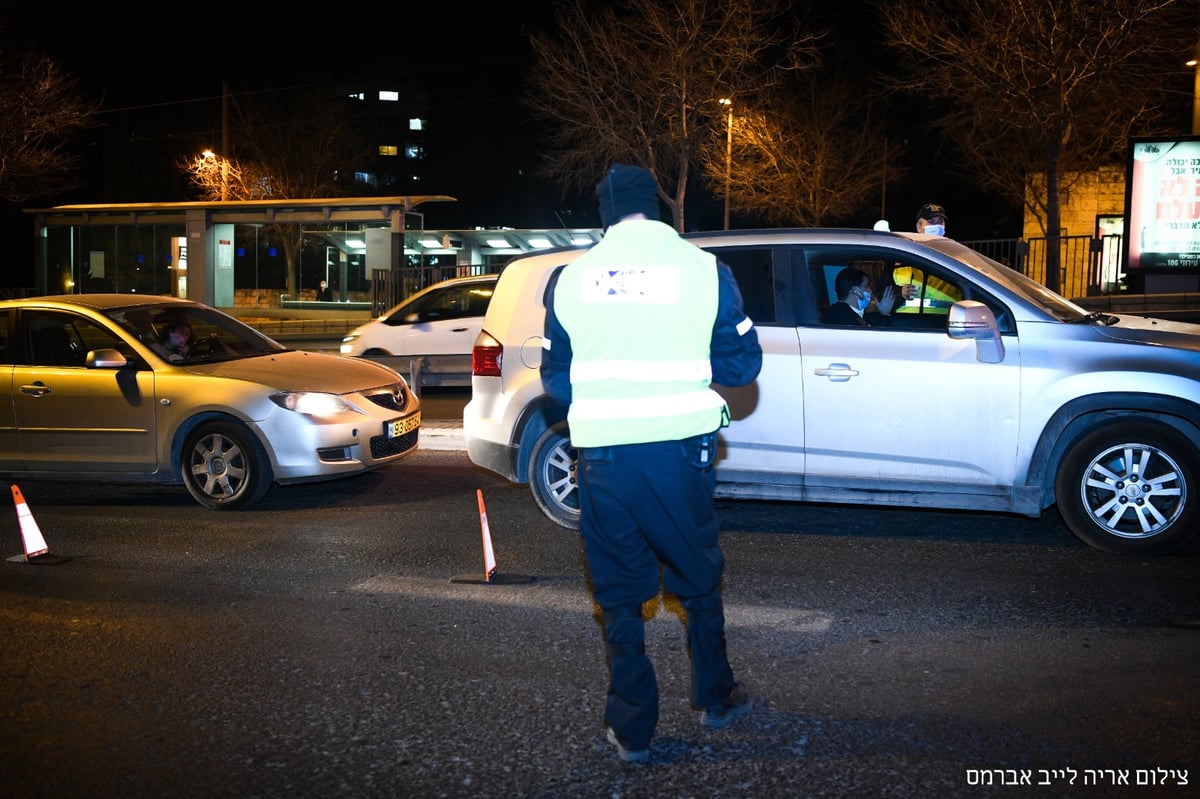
x: 485, y: 361
x: 487, y: 356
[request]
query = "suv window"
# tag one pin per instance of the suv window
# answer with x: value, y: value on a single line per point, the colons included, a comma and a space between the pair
x: 752, y: 268
x: 931, y: 290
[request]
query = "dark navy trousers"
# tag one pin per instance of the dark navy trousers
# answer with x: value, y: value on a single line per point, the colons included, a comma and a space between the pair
x: 644, y: 505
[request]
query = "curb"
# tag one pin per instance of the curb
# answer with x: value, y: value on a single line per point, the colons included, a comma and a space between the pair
x: 441, y: 436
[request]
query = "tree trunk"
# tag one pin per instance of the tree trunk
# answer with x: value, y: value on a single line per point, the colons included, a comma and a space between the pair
x: 1053, y: 223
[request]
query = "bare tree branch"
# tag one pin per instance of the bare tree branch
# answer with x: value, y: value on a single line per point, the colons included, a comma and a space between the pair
x: 1050, y: 88
x: 640, y: 81
x: 816, y: 155
x: 285, y: 146
x: 40, y: 112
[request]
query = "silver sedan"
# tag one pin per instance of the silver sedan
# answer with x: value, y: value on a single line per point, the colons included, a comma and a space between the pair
x: 128, y: 388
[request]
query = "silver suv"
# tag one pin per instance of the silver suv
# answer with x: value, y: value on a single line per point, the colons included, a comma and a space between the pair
x: 987, y: 392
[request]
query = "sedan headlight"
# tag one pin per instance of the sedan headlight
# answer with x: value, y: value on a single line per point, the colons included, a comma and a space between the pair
x: 347, y: 346
x: 312, y: 403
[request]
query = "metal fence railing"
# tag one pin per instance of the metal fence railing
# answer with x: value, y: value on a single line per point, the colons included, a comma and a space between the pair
x: 1010, y: 252
x: 1087, y: 265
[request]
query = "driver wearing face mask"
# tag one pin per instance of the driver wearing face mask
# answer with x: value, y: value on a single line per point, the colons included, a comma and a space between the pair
x: 853, y: 289
x: 177, y: 341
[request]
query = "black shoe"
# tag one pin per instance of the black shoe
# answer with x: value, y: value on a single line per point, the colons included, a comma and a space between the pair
x: 626, y: 754
x: 737, y: 704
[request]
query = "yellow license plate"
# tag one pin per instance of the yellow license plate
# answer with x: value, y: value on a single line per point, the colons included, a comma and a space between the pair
x: 401, y: 426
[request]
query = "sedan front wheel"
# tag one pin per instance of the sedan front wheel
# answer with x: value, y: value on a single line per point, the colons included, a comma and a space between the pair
x: 224, y: 467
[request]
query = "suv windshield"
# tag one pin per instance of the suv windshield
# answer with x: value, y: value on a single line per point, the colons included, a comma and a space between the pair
x: 1054, y: 304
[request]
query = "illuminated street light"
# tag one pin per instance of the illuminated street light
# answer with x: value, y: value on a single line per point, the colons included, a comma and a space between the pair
x: 208, y: 155
x: 728, y: 103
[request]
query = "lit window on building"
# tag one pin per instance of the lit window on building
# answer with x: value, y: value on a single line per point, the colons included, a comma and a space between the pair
x: 389, y: 149
x: 416, y: 123
x: 388, y: 96
x: 414, y: 151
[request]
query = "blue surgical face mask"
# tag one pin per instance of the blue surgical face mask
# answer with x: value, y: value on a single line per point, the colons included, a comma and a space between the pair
x: 864, y: 300
x: 935, y: 230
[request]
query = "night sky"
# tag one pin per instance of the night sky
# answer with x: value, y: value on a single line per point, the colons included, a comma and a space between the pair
x: 158, y: 75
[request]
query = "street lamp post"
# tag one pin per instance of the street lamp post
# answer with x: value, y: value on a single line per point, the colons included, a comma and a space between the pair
x: 728, y: 103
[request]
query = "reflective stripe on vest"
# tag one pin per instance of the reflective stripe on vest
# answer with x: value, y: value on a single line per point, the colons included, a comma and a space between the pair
x: 651, y: 408
x: 642, y: 371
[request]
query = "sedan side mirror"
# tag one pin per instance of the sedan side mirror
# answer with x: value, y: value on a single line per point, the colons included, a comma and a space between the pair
x: 105, y: 358
x: 973, y: 319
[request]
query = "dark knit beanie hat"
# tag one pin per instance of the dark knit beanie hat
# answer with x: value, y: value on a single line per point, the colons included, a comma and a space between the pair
x: 626, y: 190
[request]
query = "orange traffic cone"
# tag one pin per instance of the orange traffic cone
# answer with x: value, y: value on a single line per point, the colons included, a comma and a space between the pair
x: 32, y: 540
x: 489, y: 557
x: 30, y: 534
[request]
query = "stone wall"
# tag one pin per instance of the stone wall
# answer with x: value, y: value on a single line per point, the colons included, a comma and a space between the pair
x: 1100, y: 193
x: 255, y: 298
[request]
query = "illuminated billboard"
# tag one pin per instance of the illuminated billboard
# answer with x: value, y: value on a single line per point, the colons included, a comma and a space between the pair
x: 1162, y: 197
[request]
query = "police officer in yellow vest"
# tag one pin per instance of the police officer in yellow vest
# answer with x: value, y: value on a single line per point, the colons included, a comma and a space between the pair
x: 917, y: 289
x: 636, y: 330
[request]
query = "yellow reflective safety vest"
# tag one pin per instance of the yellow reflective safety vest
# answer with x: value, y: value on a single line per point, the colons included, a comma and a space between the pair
x: 935, y: 293
x: 639, y: 308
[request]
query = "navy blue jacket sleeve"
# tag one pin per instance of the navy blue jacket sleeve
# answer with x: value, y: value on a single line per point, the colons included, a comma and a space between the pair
x: 735, y: 353
x: 556, y: 350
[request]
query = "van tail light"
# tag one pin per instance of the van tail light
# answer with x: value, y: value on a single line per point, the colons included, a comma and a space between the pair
x: 487, y: 356
x: 485, y: 361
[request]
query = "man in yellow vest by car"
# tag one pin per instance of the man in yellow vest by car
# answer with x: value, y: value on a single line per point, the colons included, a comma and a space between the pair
x: 636, y: 330
x: 917, y: 289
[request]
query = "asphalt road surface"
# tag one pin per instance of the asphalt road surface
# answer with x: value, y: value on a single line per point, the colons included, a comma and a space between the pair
x: 339, y: 640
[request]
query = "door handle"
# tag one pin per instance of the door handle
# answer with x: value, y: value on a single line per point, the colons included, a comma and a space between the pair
x: 837, y: 372
x: 38, y: 389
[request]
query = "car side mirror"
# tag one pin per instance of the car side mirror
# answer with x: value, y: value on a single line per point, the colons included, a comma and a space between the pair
x: 106, y: 358
x: 974, y: 320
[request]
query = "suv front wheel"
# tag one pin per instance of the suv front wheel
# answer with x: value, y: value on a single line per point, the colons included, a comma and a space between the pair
x: 552, y: 476
x: 1130, y: 488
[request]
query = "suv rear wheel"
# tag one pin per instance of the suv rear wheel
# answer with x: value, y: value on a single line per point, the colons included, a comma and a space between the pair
x: 552, y: 476
x: 1130, y: 487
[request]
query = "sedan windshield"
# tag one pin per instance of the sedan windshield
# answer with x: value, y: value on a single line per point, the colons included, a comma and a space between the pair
x: 192, y: 333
